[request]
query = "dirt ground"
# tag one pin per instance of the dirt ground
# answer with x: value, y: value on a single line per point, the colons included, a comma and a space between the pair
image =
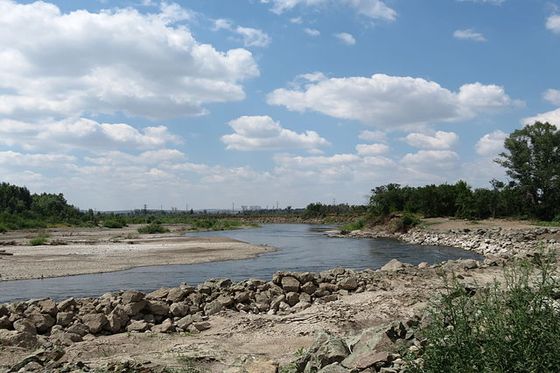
x: 72, y: 251
x: 446, y: 224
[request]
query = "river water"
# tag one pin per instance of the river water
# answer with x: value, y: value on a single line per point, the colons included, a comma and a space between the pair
x: 301, y: 247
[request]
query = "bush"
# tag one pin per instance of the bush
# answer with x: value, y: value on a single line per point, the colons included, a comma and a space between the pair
x: 39, y: 240
x: 511, y: 328
x: 354, y: 226
x: 153, y: 229
x: 404, y: 222
x: 113, y: 224
x: 3, y: 228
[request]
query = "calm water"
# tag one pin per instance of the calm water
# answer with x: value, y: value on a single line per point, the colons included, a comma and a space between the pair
x: 301, y: 247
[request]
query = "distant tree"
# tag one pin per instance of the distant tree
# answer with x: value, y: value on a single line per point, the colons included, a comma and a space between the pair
x: 532, y: 161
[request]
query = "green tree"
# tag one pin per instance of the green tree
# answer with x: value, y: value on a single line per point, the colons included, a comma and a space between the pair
x: 532, y: 160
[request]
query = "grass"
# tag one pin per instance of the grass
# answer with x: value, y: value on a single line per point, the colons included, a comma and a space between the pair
x: 39, y: 240
x: 354, y: 226
x: 153, y: 228
x: 404, y: 222
x: 114, y: 224
x: 188, y: 365
x: 509, y: 327
x: 217, y: 224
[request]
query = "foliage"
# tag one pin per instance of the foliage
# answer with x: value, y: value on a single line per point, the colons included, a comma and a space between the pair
x: 215, y: 224
x: 39, y: 240
x: 153, y: 228
x: 114, y: 222
x: 510, y: 328
x: 354, y: 226
x: 532, y: 161
x: 319, y: 210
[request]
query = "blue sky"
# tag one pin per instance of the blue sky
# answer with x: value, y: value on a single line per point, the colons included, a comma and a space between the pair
x: 207, y: 102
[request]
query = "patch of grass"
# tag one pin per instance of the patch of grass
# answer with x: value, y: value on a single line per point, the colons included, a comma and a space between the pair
x: 510, y: 327
x: 354, y: 226
x: 541, y: 223
x: 153, y: 228
x: 188, y: 365
x: 114, y: 224
x: 290, y: 368
x: 3, y: 228
x: 39, y: 240
x: 404, y: 222
x: 217, y: 224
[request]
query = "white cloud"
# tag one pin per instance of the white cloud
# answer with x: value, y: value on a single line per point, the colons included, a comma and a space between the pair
x: 392, y: 102
x: 493, y: 2
x: 552, y: 117
x: 112, y: 61
x: 552, y: 96
x: 15, y: 159
x: 82, y: 134
x: 374, y: 9
x: 263, y: 133
x: 469, y: 34
x: 251, y: 37
x: 431, y: 160
x: 368, y: 135
x: 553, y: 23
x: 439, y: 140
x: 346, y: 38
x: 312, y: 32
x: 371, y: 149
x: 491, y: 144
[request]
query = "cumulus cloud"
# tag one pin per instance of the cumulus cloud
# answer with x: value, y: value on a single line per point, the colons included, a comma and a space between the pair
x: 16, y: 159
x: 552, y: 96
x: 392, y: 102
x: 112, y: 61
x: 553, y: 23
x: 371, y: 149
x: 312, y: 32
x: 374, y: 9
x: 439, y: 140
x: 552, y: 117
x: 82, y: 133
x: 345, y: 38
x: 263, y: 133
x: 469, y: 34
x: 430, y: 160
x: 251, y: 37
x: 368, y: 135
x: 491, y: 144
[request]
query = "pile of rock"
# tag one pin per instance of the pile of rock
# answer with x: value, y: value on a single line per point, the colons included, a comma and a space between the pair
x: 374, y: 350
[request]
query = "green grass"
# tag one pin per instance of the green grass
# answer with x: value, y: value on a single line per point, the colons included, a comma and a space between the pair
x: 188, y: 365
x: 114, y: 224
x: 153, y: 228
x: 39, y: 240
x: 354, y: 226
x: 217, y: 224
x: 509, y: 327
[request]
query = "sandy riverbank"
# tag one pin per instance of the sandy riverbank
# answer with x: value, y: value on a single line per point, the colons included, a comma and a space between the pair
x: 96, y: 250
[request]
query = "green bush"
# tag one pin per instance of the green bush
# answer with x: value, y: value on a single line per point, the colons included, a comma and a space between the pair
x: 3, y: 228
x: 404, y: 222
x: 113, y: 224
x: 215, y: 224
x: 153, y: 229
x: 354, y: 226
x: 510, y: 328
x: 39, y: 240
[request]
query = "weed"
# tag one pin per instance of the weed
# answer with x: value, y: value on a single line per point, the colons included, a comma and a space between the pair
x: 39, y: 240
x: 153, y: 228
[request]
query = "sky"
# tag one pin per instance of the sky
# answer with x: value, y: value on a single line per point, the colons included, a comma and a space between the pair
x: 209, y: 103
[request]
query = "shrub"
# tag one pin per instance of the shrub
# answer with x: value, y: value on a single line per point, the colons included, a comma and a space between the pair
x: 153, y: 228
x: 404, y: 222
x: 39, y: 240
x: 511, y: 328
x: 3, y: 228
x: 354, y: 226
x: 113, y: 224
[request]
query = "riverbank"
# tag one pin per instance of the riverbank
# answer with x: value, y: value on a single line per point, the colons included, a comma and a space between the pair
x: 73, y: 251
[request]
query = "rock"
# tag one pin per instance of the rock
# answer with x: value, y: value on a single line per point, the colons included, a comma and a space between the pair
x: 66, y: 304
x: 290, y: 284
x: 179, y: 309
x: 304, y: 297
x: 165, y: 327
x: 212, y: 308
x: 5, y: 323
x: 4, y: 311
x: 423, y: 265
x: 95, y: 322
x: 48, y: 306
x: 158, y: 308
x: 364, y: 360
x: 334, y: 368
x: 137, y: 326
x: 159, y: 294
x: 309, y: 288
x: 132, y: 309
x: 131, y: 296
x: 43, y: 322
x: 292, y: 298
x: 348, y: 283
x: 64, y: 318
x: 25, y: 326
x: 334, y: 350
x: 68, y: 339
x: 242, y: 297
x: 79, y: 329
x: 300, y: 306
x: 185, y: 322
x: 177, y: 294
x: 201, y: 326
x: 117, y: 320
x: 17, y: 339
x: 392, y: 266
x: 225, y: 300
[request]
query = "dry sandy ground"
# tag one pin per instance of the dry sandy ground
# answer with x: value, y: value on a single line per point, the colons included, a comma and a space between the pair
x: 446, y: 224
x: 237, y: 339
x: 81, y: 251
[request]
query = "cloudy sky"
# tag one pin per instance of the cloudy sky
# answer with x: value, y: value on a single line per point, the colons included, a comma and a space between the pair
x: 117, y: 103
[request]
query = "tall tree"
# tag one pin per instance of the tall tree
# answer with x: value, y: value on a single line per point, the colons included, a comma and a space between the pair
x: 532, y: 160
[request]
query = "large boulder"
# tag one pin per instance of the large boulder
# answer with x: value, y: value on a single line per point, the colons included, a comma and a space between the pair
x: 131, y: 296
x: 137, y: 326
x: 64, y: 318
x: 95, y: 322
x: 179, y: 309
x: 349, y: 283
x: 290, y: 284
x: 132, y: 309
x: 25, y: 326
x: 43, y: 322
x: 117, y: 320
x: 17, y: 339
x: 392, y: 266
x: 48, y: 306
x: 213, y: 308
x: 158, y: 308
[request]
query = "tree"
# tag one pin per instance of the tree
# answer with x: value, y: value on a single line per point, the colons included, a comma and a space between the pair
x: 532, y: 160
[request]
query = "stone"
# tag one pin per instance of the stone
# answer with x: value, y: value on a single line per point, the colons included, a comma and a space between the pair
x: 301, y: 305
x: 131, y: 296
x: 364, y: 360
x: 334, y: 350
x: 158, y: 308
x: 309, y: 288
x: 292, y: 298
x: 117, y: 320
x: 423, y: 265
x: 290, y: 284
x: 68, y: 339
x: 132, y: 309
x: 225, y: 300
x: 4, y: 311
x: 242, y: 297
x: 95, y: 322
x: 185, y: 322
x: 392, y: 266
x: 158, y: 294
x: 334, y: 368
x: 66, y: 304
x: 48, y: 306
x: 64, y: 318
x: 5, y: 322
x: 43, y: 322
x: 304, y: 297
x: 212, y: 308
x: 262, y: 367
x: 165, y: 327
x: 201, y: 326
x: 348, y: 283
x: 17, y: 339
x: 179, y: 309
x: 137, y: 326
x: 79, y: 329
x: 25, y: 326
x: 177, y: 294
